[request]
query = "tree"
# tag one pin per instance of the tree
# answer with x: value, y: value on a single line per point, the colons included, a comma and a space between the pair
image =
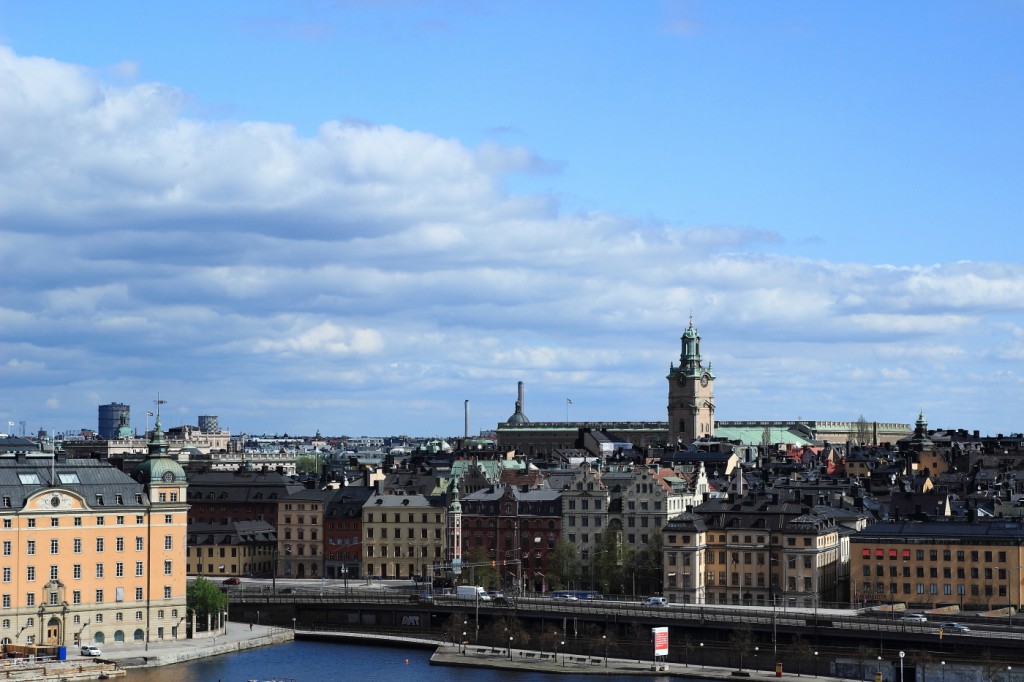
x: 645, y: 565
x: 608, y: 562
x: 204, y: 598
x: 304, y: 464
x: 862, y: 431
x: 802, y: 651
x: 741, y: 640
x: 485, y: 574
x: 564, y: 569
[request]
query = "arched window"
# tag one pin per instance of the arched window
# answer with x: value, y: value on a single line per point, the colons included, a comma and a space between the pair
x: 119, y: 636
x: 98, y: 637
x: 139, y: 635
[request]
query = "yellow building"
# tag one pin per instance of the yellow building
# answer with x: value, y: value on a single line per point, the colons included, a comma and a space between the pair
x: 972, y: 565
x: 90, y: 554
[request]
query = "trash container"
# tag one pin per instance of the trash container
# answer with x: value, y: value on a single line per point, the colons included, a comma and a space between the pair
x: 62, y: 653
x: 778, y: 669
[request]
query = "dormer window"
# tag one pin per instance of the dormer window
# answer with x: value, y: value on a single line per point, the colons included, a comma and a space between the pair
x: 99, y: 499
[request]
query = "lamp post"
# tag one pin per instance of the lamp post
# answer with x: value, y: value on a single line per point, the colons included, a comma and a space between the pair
x: 510, y: 648
x: 257, y: 617
x: 878, y: 668
x: 756, y: 650
x: 942, y: 666
x: 604, y: 638
x: 293, y: 625
x: 815, y: 663
x: 463, y: 642
x: 702, y: 654
x: 902, y: 654
x: 561, y: 646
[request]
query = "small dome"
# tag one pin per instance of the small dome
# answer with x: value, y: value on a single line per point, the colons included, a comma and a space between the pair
x: 157, y: 469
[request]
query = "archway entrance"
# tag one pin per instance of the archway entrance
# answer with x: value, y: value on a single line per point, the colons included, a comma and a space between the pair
x: 53, y: 631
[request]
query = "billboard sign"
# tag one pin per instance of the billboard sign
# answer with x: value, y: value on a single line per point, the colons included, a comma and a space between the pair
x: 660, y: 641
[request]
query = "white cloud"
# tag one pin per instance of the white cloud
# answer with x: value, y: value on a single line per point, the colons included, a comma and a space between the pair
x: 252, y: 269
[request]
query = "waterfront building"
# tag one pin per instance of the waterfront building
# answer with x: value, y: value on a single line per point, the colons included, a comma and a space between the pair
x: 516, y: 529
x: 403, y: 535
x: 754, y: 550
x: 343, y: 532
x: 89, y: 553
x: 971, y: 564
x: 300, y: 534
x: 233, y: 549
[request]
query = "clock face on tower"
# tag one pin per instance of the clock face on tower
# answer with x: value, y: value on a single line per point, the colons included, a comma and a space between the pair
x: 704, y: 380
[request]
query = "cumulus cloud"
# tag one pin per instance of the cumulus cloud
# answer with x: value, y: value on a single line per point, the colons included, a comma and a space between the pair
x: 370, y: 278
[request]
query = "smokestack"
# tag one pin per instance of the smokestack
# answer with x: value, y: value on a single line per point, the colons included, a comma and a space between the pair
x: 467, y: 419
x: 522, y: 405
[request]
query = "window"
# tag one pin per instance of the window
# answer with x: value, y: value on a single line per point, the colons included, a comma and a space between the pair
x: 77, y: 546
x: 7, y: 601
x: 138, y: 569
x: 100, y: 520
x: 7, y: 548
x: 138, y: 544
x: 99, y: 570
x: 119, y: 544
x: 54, y: 521
x: 77, y: 572
x: 168, y: 567
x: 119, y: 569
x: 78, y: 520
x: 168, y: 518
x: 99, y: 544
x: 168, y: 543
x: 53, y: 572
x: 138, y: 594
x: 120, y: 519
x: 54, y: 546
x: 167, y: 592
x: 30, y: 573
x: 99, y: 596
x: 31, y: 547
x: 30, y: 599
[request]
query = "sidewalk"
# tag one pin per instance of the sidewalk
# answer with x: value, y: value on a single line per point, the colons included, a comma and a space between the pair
x: 524, y: 659
x: 239, y: 637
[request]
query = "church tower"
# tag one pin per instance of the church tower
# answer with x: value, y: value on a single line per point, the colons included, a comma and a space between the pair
x: 691, y: 394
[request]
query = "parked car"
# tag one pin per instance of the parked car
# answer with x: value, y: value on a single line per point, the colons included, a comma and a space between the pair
x: 914, y: 618
x: 232, y: 581
x: 91, y: 651
x: 421, y: 598
x: 954, y: 628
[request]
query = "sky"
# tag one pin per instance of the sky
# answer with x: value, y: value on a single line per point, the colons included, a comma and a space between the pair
x: 354, y: 216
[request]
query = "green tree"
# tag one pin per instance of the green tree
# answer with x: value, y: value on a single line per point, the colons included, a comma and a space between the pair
x: 608, y: 563
x: 645, y: 565
x: 304, y: 464
x: 564, y: 569
x: 485, y: 575
x: 204, y: 598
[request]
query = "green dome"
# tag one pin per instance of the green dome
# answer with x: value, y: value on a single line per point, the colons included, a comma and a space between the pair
x: 157, y: 469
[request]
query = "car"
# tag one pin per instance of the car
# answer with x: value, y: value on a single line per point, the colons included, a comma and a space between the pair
x: 232, y: 581
x: 566, y: 597
x: 656, y: 602
x: 286, y: 590
x: 91, y: 651
x: 494, y: 594
x: 914, y: 618
x: 502, y: 600
x: 954, y: 628
x: 421, y: 598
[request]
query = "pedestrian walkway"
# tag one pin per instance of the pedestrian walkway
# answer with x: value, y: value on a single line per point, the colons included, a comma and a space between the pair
x: 557, y: 662
x: 238, y: 637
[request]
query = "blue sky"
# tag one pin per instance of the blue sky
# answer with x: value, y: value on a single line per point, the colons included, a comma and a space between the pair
x: 353, y: 216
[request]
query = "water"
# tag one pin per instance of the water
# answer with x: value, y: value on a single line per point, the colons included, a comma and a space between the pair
x: 327, y: 662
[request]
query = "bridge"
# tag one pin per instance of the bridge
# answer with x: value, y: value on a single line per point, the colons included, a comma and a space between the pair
x: 627, y: 624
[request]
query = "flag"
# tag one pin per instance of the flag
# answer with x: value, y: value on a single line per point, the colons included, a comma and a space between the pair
x: 569, y: 400
x: 148, y: 413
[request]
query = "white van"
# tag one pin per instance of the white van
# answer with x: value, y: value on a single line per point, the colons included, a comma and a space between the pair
x: 656, y: 602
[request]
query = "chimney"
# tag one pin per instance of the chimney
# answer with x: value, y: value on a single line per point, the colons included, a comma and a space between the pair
x: 466, y: 435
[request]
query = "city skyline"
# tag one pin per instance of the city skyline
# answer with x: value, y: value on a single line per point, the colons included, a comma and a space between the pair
x: 352, y: 217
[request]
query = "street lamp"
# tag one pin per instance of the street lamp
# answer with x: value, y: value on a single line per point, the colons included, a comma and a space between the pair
x: 756, y: 650
x: 943, y: 668
x: 562, y: 646
x: 815, y: 663
x: 293, y: 625
x: 902, y: 654
x: 604, y: 638
x: 463, y: 642
x: 510, y: 648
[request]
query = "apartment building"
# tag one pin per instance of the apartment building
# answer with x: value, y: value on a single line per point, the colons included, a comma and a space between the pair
x: 236, y: 549
x: 343, y: 532
x: 975, y: 565
x: 300, y: 534
x: 90, y: 554
x: 223, y: 497
x: 403, y: 535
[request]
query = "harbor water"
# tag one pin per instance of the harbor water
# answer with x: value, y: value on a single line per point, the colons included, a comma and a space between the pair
x: 329, y: 662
